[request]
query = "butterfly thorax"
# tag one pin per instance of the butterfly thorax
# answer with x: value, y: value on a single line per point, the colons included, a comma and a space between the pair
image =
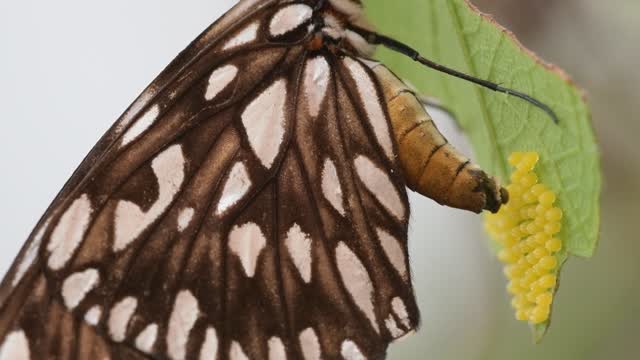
x: 335, y: 20
x: 323, y: 24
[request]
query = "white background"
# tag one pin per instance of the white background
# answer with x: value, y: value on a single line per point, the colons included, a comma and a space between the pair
x: 68, y: 69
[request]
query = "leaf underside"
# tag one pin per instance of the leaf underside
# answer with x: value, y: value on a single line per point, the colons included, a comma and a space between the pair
x: 456, y: 34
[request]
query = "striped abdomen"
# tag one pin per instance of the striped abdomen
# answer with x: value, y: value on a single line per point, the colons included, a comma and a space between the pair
x: 431, y: 165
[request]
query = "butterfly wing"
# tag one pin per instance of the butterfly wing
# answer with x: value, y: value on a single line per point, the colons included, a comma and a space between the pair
x: 180, y: 107
x: 347, y: 200
x: 328, y: 274
x: 251, y: 214
x: 221, y: 32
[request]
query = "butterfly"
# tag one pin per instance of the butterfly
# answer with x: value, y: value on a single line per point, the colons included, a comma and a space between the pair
x: 250, y: 204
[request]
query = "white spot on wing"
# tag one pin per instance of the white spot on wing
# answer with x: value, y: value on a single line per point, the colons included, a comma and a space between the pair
x: 78, y: 285
x: 357, y: 281
x: 219, y: 80
x: 30, y: 255
x: 264, y: 121
x: 15, y: 346
x: 147, y: 338
x: 276, y: 349
x: 237, y: 185
x: 394, y: 252
x: 331, y: 188
x: 401, y: 311
x: 141, y: 125
x: 247, y: 241
x: 247, y: 35
x: 404, y: 337
x: 209, y: 349
x: 372, y: 105
x: 392, y: 326
x: 130, y: 220
x: 350, y: 351
x: 310, y: 345
x: 380, y: 185
x: 135, y: 108
x: 289, y: 18
x: 299, y: 245
x: 316, y: 81
x: 119, y: 317
x: 184, y: 219
x: 69, y: 232
x: 92, y: 316
x: 184, y: 315
x: 236, y: 352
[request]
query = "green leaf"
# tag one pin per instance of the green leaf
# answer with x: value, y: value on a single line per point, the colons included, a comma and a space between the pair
x: 454, y: 33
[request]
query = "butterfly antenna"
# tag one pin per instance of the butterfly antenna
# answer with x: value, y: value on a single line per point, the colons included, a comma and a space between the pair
x: 395, y: 45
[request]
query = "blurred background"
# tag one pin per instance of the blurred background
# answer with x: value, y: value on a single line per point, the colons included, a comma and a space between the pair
x: 466, y: 312
x: 69, y: 68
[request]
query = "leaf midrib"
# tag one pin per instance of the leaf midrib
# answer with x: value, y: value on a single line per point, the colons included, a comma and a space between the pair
x: 491, y: 131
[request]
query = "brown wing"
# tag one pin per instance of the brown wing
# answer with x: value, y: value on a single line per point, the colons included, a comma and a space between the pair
x: 341, y: 190
x: 172, y: 146
x: 248, y: 205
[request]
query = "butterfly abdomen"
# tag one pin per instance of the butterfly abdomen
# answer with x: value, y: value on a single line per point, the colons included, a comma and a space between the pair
x: 431, y: 165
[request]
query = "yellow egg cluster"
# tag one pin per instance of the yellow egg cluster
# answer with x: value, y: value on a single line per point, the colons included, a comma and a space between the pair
x: 525, y: 228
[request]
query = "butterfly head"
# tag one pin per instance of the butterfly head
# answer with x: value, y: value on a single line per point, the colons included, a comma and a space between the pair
x: 332, y: 20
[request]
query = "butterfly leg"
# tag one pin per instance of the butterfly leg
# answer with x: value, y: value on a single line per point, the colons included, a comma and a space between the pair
x: 431, y: 165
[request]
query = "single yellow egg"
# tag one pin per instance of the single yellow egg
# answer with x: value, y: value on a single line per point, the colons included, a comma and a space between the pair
x: 528, y: 279
x: 528, y: 162
x: 515, y: 190
x: 515, y: 232
x: 533, y: 228
x: 538, y: 189
x: 553, y: 245
x: 528, y: 180
x: 547, y: 198
x: 540, y: 252
x: 511, y: 271
x: 540, y: 221
x: 515, y: 158
x: 519, y: 302
x: 529, y: 198
x: 513, y: 288
x: 522, y: 315
x: 547, y: 281
x: 528, y: 212
x: 509, y: 240
x: 507, y: 256
x: 544, y: 299
x: 532, y: 259
x: 542, y: 209
x: 548, y: 262
x: 532, y: 295
x: 553, y: 214
x: 552, y: 228
x: 516, y: 178
x: 541, y: 238
x: 539, y: 314
x: 539, y: 270
x: 532, y: 241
